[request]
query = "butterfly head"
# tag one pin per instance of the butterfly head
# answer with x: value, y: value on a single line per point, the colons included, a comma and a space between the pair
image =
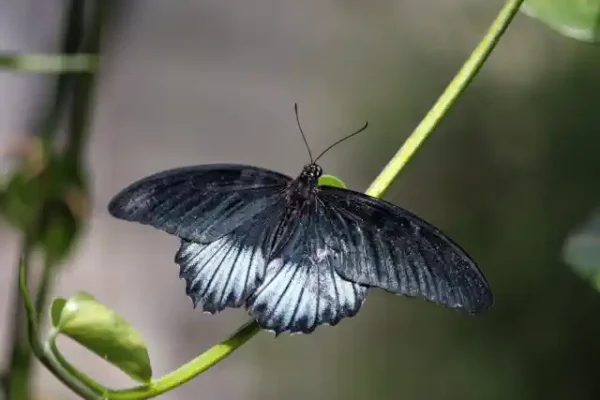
x: 311, y: 174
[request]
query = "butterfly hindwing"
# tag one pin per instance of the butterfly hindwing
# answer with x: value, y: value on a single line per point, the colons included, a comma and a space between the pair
x: 220, y: 274
x: 200, y: 203
x: 302, y: 289
x: 388, y: 247
x: 226, y: 271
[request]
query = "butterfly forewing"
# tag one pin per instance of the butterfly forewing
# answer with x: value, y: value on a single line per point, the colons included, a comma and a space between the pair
x: 229, y: 217
x: 388, y: 247
x: 200, y: 203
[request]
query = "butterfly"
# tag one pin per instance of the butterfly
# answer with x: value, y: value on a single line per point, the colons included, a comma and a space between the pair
x: 294, y: 253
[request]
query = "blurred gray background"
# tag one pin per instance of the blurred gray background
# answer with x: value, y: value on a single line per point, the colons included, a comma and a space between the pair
x: 509, y: 173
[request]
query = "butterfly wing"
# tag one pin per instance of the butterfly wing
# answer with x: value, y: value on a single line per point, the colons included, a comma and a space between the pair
x: 228, y: 219
x: 225, y: 272
x: 200, y: 203
x: 302, y: 288
x: 388, y: 247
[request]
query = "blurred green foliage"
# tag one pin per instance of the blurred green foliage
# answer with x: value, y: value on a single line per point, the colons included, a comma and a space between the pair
x: 582, y: 250
x: 578, y: 19
x: 46, y: 200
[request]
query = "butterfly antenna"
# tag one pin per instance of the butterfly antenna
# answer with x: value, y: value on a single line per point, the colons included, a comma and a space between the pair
x: 341, y: 140
x: 302, y: 132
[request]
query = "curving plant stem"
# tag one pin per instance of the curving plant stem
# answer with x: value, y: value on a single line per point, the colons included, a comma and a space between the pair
x: 16, y: 378
x: 445, y: 102
x: 48, y: 63
x: 88, y: 388
x: 68, y: 374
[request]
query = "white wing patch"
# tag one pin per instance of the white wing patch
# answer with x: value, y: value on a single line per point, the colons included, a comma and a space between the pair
x: 300, y: 292
x: 220, y: 274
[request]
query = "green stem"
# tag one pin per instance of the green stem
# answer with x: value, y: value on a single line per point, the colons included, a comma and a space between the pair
x: 38, y: 349
x: 48, y: 63
x: 176, y: 378
x: 43, y: 289
x: 458, y: 85
x: 193, y: 368
x: 17, y: 374
x: 70, y: 369
x: 74, y: 23
x: 84, y: 86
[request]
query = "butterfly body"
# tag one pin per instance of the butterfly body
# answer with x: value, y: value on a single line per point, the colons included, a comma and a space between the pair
x: 296, y: 254
x: 303, y: 189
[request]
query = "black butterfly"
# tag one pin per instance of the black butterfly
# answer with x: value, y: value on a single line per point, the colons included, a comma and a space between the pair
x: 296, y: 254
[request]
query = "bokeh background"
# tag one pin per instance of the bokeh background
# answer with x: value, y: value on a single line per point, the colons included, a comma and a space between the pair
x: 511, y: 171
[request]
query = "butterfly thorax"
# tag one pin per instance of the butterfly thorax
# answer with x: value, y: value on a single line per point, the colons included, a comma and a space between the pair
x: 302, y: 189
x: 310, y: 174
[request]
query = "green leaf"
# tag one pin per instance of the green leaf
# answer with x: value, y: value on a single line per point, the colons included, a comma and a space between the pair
x: 578, y: 19
x: 582, y: 251
x: 56, y: 310
x: 104, y: 332
x: 330, y: 180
